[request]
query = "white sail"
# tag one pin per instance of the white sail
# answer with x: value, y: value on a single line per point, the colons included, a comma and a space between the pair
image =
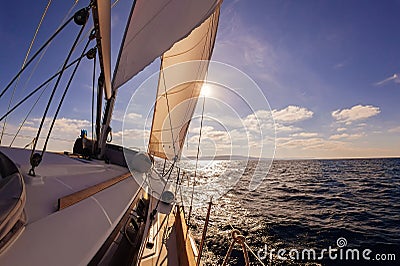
x: 154, y: 26
x: 182, y: 73
x: 102, y: 11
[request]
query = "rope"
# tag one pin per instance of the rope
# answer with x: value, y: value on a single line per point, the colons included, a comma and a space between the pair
x: 237, y: 238
x: 63, y: 97
x: 197, y: 159
x: 35, y: 55
x: 249, y: 248
x: 23, y: 64
x: 45, y: 50
x: 169, y: 114
x: 33, y: 71
x: 40, y: 86
x: 115, y: 2
x: 30, y: 143
x: 93, y: 88
x: 32, y: 137
x: 26, y: 117
x: 51, y: 98
x: 203, y: 236
x: 169, y: 172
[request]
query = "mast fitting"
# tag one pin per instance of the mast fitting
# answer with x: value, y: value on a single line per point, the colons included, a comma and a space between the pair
x: 35, y: 160
x: 81, y: 16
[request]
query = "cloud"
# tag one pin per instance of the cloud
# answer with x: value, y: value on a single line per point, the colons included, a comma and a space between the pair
x: 311, y: 144
x: 62, y: 137
x: 133, y: 138
x: 292, y: 114
x: 339, y: 65
x: 346, y: 136
x: 286, y: 128
x: 133, y: 116
x: 260, y: 120
x: 357, y: 112
x: 395, y: 78
x: 341, y: 129
x: 63, y: 127
x: 209, y: 132
x: 394, y: 130
x: 132, y: 133
x: 249, y: 47
x: 305, y: 134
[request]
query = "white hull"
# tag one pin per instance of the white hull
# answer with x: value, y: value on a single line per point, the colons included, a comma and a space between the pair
x: 71, y: 236
x: 89, y: 231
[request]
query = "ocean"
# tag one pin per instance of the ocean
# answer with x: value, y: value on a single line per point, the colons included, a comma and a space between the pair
x: 349, y: 207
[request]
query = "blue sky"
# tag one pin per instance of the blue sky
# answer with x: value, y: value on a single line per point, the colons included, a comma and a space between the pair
x: 327, y: 68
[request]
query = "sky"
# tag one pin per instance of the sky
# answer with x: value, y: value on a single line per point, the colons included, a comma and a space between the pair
x: 329, y: 72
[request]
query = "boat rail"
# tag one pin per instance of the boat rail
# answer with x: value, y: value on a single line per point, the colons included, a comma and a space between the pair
x: 12, y: 202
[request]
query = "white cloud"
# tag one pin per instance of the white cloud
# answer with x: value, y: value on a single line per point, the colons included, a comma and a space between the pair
x: 311, y: 144
x: 260, y: 120
x: 305, y: 134
x: 286, y: 128
x: 346, y: 136
x: 133, y: 138
x: 133, y: 116
x: 341, y: 129
x: 292, y: 114
x: 132, y: 133
x: 357, y: 112
x: 62, y: 137
x: 62, y: 127
x: 394, y: 130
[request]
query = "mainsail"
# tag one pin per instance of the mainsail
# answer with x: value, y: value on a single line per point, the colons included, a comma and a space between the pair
x: 182, y: 73
x: 154, y: 26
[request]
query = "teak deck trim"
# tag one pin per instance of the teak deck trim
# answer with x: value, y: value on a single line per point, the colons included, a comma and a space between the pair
x: 76, y: 197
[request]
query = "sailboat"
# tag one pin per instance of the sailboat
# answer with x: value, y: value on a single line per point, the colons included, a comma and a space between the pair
x: 87, y: 206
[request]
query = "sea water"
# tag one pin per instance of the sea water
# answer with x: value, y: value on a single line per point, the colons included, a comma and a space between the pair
x: 306, y: 208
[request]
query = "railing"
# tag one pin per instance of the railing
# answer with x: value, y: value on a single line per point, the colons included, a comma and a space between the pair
x: 13, y: 198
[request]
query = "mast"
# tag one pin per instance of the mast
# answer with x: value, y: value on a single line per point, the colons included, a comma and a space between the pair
x: 105, y: 128
x: 102, y: 24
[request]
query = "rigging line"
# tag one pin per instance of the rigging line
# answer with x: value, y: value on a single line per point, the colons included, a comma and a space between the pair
x: 45, y: 50
x: 32, y: 137
x: 26, y: 117
x: 169, y: 115
x: 249, y: 248
x: 36, y: 32
x: 197, y: 159
x: 38, y: 88
x: 93, y: 85
x: 87, y: 33
x: 33, y: 71
x: 54, y: 89
x: 23, y: 64
x: 63, y: 97
x: 153, y: 213
x: 115, y: 2
x: 36, y: 54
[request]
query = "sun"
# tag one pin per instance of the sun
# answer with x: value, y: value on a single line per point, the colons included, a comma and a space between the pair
x: 206, y: 90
